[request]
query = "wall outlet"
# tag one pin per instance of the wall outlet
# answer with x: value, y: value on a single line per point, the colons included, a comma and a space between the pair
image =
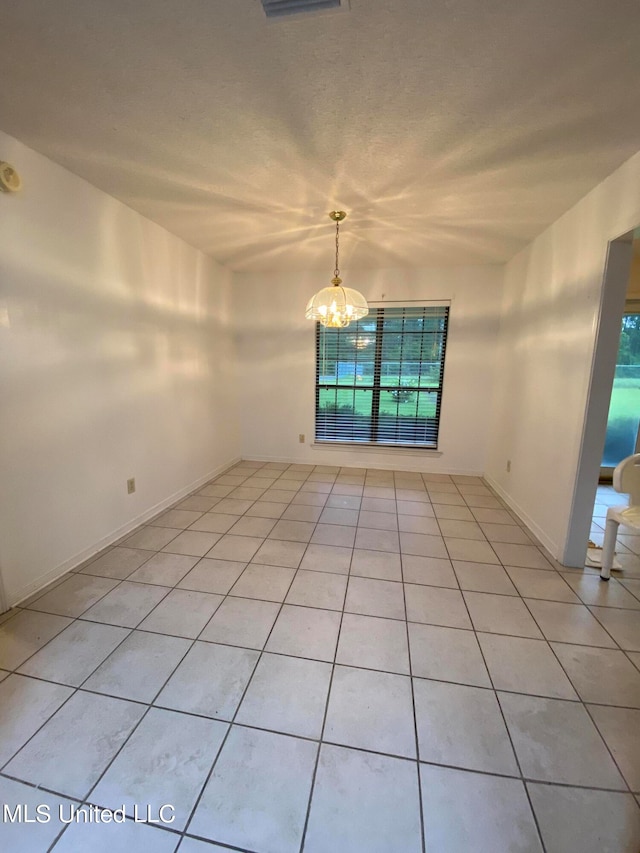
x: 301, y: 438
x: 131, y: 486
x: 508, y: 466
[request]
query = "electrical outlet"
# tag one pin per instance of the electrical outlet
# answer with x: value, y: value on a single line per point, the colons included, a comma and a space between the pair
x: 508, y: 466
x: 301, y: 438
x: 131, y: 486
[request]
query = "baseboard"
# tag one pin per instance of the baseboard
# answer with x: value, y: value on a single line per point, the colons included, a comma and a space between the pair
x: 552, y: 547
x: 116, y: 535
x: 409, y: 464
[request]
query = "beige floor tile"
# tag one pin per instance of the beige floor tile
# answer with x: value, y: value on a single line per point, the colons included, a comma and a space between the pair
x: 198, y: 503
x: 525, y: 666
x: 556, y: 741
x: 371, y: 597
x: 138, y: 668
x: 238, y: 548
x: 417, y: 524
x: 623, y: 625
x: 270, y: 583
x: 466, y: 811
x: 318, y: 589
x: 431, y: 571
x: 532, y: 583
x: 377, y: 540
x: 339, y: 515
x: 373, y: 643
x: 304, y: 683
x: 117, y: 563
x: 620, y: 728
x: 459, y: 513
x: 605, y: 676
x: 166, y: 760
x: 127, y: 604
x: 327, y: 558
x: 36, y: 836
x: 215, y: 522
x: 183, y: 613
x: 425, y: 510
x: 591, y: 590
x: 509, y: 533
x: 242, y: 622
x: 268, y: 509
x: 501, y: 614
x: 26, y: 633
x: 363, y: 802
x: 436, y: 606
x: 258, y: 773
x: 569, y: 623
x: 193, y: 543
x: 73, y: 655
x: 470, y: 550
x: 525, y: 556
x: 483, y: 577
x: 586, y: 821
x: 216, y: 576
x: 300, y: 512
x: 152, y: 538
x: 371, y: 710
x: 376, y: 564
x: 379, y: 520
x: 248, y: 526
x: 27, y: 704
x: 75, y: 595
x: 71, y: 751
x: 462, y: 726
x: 293, y: 531
x: 164, y: 569
x: 179, y: 518
x: 460, y: 529
x: 275, y: 552
x: 305, y: 632
x: 423, y: 545
x: 447, y: 654
x: 209, y: 681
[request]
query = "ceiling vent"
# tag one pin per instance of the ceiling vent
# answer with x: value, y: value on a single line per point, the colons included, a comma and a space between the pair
x: 287, y: 8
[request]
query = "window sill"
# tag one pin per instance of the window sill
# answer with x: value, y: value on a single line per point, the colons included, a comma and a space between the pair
x: 403, y: 449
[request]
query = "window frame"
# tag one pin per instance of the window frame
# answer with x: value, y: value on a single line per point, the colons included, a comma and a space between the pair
x: 378, y: 386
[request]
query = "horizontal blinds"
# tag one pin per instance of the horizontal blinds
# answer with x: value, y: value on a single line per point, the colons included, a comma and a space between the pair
x: 379, y: 381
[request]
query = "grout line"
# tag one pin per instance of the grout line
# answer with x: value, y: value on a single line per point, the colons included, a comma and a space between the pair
x: 335, y: 481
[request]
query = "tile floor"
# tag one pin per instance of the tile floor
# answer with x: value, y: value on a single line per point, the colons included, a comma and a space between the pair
x: 328, y: 660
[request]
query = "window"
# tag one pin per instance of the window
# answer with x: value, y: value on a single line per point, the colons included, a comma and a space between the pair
x: 379, y: 381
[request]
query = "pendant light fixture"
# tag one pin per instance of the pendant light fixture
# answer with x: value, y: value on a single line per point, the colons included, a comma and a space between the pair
x: 336, y: 306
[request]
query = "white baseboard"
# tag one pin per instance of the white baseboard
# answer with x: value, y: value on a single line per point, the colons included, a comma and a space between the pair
x: 409, y: 463
x: 552, y: 547
x: 113, y: 537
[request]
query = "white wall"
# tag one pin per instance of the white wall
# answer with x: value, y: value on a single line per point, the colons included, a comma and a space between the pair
x: 551, y: 322
x: 276, y: 347
x: 116, y: 361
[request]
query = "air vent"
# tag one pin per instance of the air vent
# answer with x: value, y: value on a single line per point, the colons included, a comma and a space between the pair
x: 287, y: 8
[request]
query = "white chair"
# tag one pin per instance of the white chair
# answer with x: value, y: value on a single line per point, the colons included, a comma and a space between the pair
x: 626, y: 479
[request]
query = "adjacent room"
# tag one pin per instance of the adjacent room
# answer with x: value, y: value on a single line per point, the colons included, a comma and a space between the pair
x: 320, y: 378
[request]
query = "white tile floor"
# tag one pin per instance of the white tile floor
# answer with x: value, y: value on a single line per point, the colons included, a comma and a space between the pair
x: 328, y: 660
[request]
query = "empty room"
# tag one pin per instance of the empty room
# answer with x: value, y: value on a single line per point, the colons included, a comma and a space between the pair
x: 320, y: 426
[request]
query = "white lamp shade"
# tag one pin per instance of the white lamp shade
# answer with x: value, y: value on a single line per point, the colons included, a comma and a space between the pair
x: 336, y: 306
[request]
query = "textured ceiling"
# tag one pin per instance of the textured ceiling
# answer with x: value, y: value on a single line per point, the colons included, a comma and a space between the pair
x: 453, y: 131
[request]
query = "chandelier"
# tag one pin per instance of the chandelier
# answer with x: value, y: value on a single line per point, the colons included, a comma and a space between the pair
x: 336, y: 306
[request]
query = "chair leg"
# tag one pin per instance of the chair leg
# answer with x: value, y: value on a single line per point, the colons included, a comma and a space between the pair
x: 608, y: 548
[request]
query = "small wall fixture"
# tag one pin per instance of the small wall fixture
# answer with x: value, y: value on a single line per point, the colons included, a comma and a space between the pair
x: 336, y: 306
x: 9, y: 179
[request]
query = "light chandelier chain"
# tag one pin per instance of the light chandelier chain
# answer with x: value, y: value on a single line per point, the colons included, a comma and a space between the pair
x: 336, y: 271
